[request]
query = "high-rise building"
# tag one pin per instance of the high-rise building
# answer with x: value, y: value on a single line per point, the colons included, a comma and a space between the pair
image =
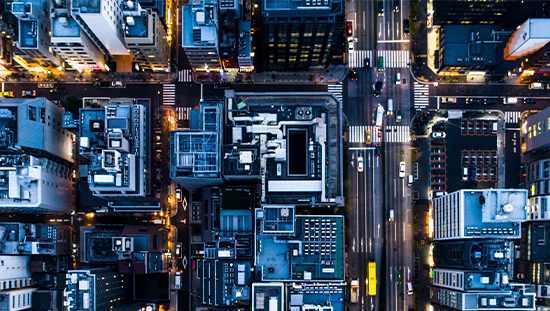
x: 102, y: 21
x: 35, y: 239
x: 36, y: 154
x: 534, y: 262
x: 200, y: 35
x: 34, y: 37
x: 72, y: 43
x: 14, y: 272
x: 515, y: 297
x: 479, y: 214
x: 145, y: 37
x: 17, y: 299
x: 299, y: 35
x: 115, y: 142
x: 97, y: 289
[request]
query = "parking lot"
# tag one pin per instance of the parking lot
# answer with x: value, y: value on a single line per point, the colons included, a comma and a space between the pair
x: 463, y: 154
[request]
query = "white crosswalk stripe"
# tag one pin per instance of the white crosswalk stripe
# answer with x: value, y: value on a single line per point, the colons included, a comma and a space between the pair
x: 168, y: 94
x: 336, y: 89
x: 184, y: 75
x: 397, y: 134
x: 392, y: 59
x: 357, y: 134
x: 356, y: 58
x: 183, y: 113
x: 512, y: 116
x: 421, y: 95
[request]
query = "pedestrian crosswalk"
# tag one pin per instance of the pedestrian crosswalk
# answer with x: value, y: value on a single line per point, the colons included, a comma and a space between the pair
x: 512, y: 116
x: 358, y: 134
x: 392, y: 59
x: 183, y: 113
x: 169, y: 94
x: 184, y: 75
x: 336, y: 89
x: 397, y: 134
x: 421, y: 95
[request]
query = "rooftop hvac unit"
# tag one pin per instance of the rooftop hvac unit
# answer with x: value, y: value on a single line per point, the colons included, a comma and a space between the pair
x: 63, y: 21
x: 130, y: 21
x: 507, y: 208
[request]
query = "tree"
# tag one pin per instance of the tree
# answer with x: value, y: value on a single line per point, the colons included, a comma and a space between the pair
x: 72, y: 104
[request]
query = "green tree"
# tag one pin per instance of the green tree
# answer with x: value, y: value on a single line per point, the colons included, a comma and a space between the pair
x: 72, y: 104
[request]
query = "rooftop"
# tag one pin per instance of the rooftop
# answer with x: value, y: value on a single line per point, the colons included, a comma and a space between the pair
x: 28, y: 34
x: 86, y: 6
x: 65, y: 26
x: 318, y: 296
x: 138, y: 26
x: 313, y: 252
x: 275, y: 8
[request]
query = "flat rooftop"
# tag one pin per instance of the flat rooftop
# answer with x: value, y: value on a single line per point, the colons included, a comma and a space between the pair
x: 87, y: 6
x: 65, y: 27
x: 140, y: 27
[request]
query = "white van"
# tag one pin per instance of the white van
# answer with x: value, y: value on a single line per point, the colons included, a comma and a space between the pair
x: 410, y: 180
x: 398, y: 79
x: 536, y: 86
x: 465, y: 173
x: 391, y: 215
x: 495, y: 128
x: 390, y: 107
x: 510, y: 100
x: 177, y: 280
x: 440, y: 194
x: 409, y: 288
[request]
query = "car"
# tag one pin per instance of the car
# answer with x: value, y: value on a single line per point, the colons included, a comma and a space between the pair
x: 118, y: 84
x: 474, y: 101
x: 350, y: 44
x: 398, y: 116
x: 530, y: 100
x: 366, y: 64
x: 380, y: 7
x: 7, y: 94
x: 158, y: 155
x: 439, y: 135
x: 349, y: 25
x: 179, y: 252
x: 353, y: 74
x: 492, y: 101
x: 378, y: 151
x: 179, y: 197
x: 102, y: 84
x: 368, y: 138
x: 472, y: 173
x: 398, y: 79
x: 464, y: 173
x: 58, y: 90
x: 380, y: 63
x: 401, y: 169
x: 158, y: 174
x: 360, y: 164
x: 395, y: 6
x: 448, y: 100
x: 378, y: 88
x: 406, y: 26
x: 222, y: 85
x: 28, y: 93
x: 177, y: 280
x: 157, y: 194
x: 410, y: 286
x: 398, y: 280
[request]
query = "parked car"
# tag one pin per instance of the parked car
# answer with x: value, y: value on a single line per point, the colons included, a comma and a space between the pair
x: 118, y: 84
x: 439, y: 135
x: 7, y: 94
x: 102, y: 84
x: 530, y: 100
x: 406, y: 26
x: 26, y: 93
x: 179, y: 197
x: 349, y: 25
x: 58, y: 90
x: 222, y: 85
x: 179, y: 250
x: 474, y: 101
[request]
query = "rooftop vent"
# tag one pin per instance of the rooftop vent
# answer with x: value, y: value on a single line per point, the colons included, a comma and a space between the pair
x: 507, y: 208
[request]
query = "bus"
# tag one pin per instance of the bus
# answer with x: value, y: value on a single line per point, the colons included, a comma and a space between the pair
x: 371, y: 288
x: 379, y: 115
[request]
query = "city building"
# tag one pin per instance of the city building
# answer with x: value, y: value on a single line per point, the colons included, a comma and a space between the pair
x: 235, y: 40
x: 35, y: 239
x: 291, y: 144
x: 145, y: 37
x: 470, y: 280
x: 225, y: 282
x: 17, y: 299
x: 489, y: 255
x: 530, y: 37
x: 299, y: 35
x: 14, y: 272
x: 515, y: 297
x: 37, y: 157
x: 6, y: 44
x: 115, y: 144
x: 535, y: 135
x: 72, y: 43
x: 303, y: 248
x: 537, y: 184
x: 268, y: 296
x: 506, y: 13
x: 534, y: 261
x: 479, y: 214
x: 134, y: 249
x: 102, y: 21
x: 195, y: 153
x: 200, y: 39
x: 34, y: 37
x: 98, y: 289
x: 319, y: 296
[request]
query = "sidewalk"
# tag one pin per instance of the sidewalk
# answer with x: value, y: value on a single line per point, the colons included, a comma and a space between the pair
x: 333, y: 74
x: 89, y: 77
